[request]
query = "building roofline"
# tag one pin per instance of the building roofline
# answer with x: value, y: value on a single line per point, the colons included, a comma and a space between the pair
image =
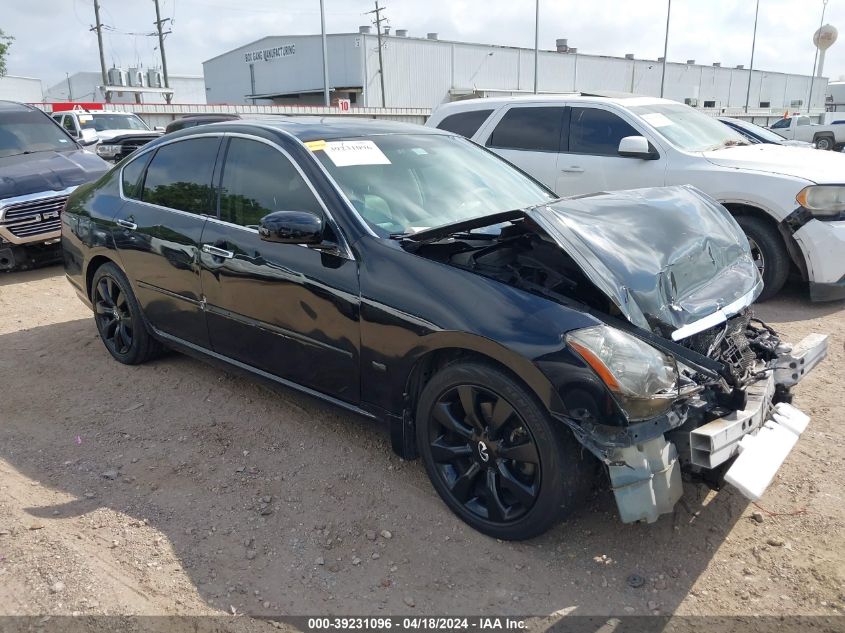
x: 508, y: 47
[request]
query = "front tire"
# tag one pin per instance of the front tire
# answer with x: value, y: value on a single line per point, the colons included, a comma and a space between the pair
x: 494, y: 455
x: 119, y: 319
x: 769, y: 253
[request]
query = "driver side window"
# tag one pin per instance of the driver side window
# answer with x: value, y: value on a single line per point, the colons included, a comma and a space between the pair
x: 69, y: 125
x: 257, y: 180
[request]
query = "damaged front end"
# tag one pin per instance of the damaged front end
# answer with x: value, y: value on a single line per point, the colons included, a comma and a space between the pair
x: 682, y: 376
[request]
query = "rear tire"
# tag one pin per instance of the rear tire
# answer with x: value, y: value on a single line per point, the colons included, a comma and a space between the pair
x: 504, y: 467
x: 769, y: 251
x: 824, y: 142
x: 118, y: 317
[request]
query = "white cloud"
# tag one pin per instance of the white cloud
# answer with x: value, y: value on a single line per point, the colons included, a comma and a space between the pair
x: 52, y: 36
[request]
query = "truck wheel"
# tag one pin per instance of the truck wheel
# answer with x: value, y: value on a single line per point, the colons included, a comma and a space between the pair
x: 119, y: 319
x: 494, y: 454
x: 824, y: 142
x: 769, y: 253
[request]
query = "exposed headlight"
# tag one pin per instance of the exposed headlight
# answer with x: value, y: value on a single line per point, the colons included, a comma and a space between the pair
x: 108, y: 150
x: 823, y: 201
x: 643, y: 379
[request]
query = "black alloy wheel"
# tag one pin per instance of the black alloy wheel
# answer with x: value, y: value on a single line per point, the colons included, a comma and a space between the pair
x: 112, y: 314
x: 768, y: 252
x: 119, y: 319
x: 494, y: 455
x: 485, y: 453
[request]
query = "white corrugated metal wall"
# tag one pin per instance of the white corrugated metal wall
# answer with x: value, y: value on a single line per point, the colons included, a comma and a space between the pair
x: 423, y: 73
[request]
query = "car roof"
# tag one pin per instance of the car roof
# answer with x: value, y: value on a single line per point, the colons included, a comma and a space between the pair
x: 314, y: 128
x: 616, y: 98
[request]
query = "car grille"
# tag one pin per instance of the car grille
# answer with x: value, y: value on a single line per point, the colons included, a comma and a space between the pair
x: 130, y: 145
x: 26, y: 220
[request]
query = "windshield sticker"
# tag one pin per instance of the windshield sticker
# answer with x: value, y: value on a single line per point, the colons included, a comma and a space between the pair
x: 84, y: 118
x: 419, y: 151
x: 315, y: 145
x: 657, y: 119
x: 348, y: 153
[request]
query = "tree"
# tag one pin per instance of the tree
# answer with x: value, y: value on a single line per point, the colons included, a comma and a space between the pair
x: 5, y: 43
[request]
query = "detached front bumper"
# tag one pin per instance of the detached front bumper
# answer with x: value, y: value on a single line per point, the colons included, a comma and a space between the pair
x: 646, y: 478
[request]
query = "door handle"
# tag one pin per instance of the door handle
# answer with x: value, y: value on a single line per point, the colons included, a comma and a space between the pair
x: 574, y: 169
x: 126, y: 224
x: 217, y: 252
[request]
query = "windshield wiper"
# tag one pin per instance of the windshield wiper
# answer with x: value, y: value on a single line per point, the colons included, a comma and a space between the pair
x: 464, y: 226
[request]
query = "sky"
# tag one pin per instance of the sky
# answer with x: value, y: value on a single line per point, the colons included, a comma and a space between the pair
x: 52, y: 37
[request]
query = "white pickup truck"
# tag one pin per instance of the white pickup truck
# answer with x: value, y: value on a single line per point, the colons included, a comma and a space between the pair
x: 802, y: 128
x: 789, y: 201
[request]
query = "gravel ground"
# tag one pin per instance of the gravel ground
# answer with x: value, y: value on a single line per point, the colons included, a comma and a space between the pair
x: 180, y: 488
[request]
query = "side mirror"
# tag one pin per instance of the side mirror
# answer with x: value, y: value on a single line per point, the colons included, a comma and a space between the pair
x: 159, y: 128
x: 636, y: 147
x: 88, y: 137
x: 291, y: 227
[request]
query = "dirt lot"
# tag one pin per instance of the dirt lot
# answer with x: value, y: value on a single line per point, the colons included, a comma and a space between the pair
x: 179, y: 488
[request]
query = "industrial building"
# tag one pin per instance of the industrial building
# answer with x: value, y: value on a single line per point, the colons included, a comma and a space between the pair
x: 421, y: 72
x: 133, y: 85
x: 26, y: 89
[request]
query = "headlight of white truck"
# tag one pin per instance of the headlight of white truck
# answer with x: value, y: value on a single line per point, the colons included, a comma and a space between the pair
x: 643, y: 379
x: 823, y: 201
x: 108, y: 151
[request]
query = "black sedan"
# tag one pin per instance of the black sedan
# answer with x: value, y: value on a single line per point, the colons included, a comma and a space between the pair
x: 516, y: 342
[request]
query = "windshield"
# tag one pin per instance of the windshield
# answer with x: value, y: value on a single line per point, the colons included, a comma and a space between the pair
x: 760, y: 132
x: 101, y: 122
x: 29, y: 131
x: 401, y: 183
x: 687, y: 128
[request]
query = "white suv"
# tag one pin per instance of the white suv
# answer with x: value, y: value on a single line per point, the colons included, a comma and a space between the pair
x: 789, y: 201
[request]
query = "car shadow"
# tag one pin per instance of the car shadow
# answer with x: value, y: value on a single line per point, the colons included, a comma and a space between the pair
x: 273, y: 502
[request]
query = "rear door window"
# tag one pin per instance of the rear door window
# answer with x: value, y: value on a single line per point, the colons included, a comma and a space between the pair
x: 180, y: 174
x: 464, y: 123
x: 597, y: 132
x: 534, y: 129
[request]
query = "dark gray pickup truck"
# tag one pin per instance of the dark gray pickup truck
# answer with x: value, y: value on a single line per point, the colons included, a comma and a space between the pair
x: 40, y: 165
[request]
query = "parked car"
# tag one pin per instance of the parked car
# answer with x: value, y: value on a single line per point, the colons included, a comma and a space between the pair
x: 118, y: 133
x: 754, y: 133
x: 789, y: 201
x: 802, y: 128
x: 512, y: 340
x: 40, y: 165
x: 192, y: 120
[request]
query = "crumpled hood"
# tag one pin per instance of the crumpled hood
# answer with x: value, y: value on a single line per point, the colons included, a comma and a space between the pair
x: 667, y: 257
x: 810, y: 164
x: 48, y: 171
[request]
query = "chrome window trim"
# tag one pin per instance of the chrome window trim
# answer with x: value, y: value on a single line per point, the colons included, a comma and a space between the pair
x: 345, y: 249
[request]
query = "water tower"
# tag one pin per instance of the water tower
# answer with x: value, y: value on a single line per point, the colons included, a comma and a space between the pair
x: 824, y: 38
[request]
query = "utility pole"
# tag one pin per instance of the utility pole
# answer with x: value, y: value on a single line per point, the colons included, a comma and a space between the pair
x: 751, y: 68
x: 536, y: 41
x: 99, y: 29
x: 326, y: 99
x: 665, y: 49
x: 159, y: 22
x: 378, y: 22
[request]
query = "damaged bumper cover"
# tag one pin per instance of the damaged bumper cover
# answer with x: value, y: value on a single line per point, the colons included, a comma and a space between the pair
x: 646, y: 474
